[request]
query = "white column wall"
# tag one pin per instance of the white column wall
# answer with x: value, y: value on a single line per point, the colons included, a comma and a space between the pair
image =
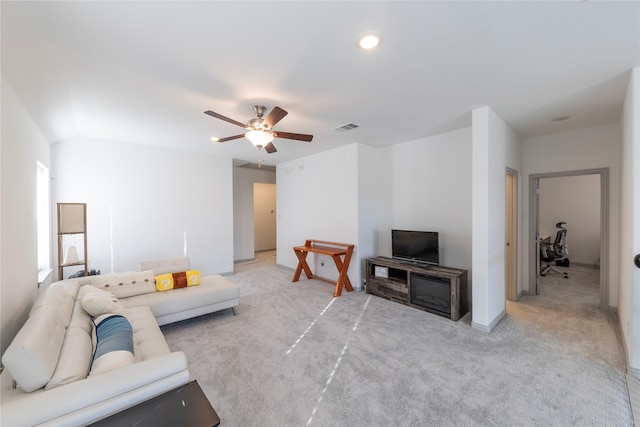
x: 495, y: 147
x: 629, y: 242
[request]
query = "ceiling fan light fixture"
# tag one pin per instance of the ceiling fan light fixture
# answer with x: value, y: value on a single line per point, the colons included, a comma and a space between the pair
x: 259, y: 138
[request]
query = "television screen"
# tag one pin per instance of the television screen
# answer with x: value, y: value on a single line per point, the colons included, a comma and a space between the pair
x: 416, y: 246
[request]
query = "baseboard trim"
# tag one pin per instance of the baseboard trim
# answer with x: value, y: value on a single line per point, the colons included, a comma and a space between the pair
x: 635, y: 372
x: 584, y: 264
x: 489, y: 328
x: 284, y: 267
x: 633, y: 388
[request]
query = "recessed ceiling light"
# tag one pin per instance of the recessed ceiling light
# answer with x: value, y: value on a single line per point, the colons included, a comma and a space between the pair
x: 370, y: 40
x: 561, y: 118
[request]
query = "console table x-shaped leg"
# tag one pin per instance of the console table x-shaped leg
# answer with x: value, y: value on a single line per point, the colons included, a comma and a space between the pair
x: 336, y: 253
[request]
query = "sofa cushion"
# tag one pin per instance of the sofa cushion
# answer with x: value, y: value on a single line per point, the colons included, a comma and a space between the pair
x: 75, y: 358
x: 114, y: 346
x: 32, y: 356
x: 57, y: 297
x: 97, y: 302
x: 80, y: 318
x: 148, y: 340
x: 123, y: 285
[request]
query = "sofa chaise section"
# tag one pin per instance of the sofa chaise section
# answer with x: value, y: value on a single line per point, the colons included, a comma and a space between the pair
x: 214, y: 293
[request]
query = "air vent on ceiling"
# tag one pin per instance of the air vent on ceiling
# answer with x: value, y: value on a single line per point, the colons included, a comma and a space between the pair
x: 346, y: 128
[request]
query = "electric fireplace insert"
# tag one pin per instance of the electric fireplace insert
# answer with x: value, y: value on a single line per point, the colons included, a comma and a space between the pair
x: 433, y: 293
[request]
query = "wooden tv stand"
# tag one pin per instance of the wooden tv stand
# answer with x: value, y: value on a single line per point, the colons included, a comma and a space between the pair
x: 392, y: 279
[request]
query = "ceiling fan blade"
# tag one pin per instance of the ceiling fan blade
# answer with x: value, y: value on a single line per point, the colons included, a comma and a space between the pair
x: 226, y: 119
x: 270, y: 148
x: 229, y: 138
x: 274, y: 117
x: 296, y: 136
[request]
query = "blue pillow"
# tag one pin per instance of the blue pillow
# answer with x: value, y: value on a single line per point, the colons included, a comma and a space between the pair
x: 114, y: 346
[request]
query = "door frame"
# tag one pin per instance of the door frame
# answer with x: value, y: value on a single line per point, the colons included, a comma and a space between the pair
x: 511, y: 211
x: 534, y: 180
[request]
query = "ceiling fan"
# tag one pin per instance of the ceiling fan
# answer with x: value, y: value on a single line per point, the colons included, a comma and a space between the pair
x: 260, y: 130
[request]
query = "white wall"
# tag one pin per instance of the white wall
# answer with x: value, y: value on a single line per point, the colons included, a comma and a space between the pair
x: 142, y: 201
x: 317, y: 198
x: 22, y: 145
x: 430, y: 190
x: 629, y: 243
x: 243, y: 221
x: 583, y: 149
x: 495, y: 148
x: 576, y: 201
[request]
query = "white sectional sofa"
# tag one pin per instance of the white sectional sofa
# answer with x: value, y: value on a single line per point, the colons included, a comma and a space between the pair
x: 49, y: 377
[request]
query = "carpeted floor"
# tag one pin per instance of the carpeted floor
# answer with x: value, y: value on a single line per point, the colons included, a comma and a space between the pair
x: 295, y: 356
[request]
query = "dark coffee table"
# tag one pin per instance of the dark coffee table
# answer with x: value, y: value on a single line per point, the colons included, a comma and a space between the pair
x: 184, y: 406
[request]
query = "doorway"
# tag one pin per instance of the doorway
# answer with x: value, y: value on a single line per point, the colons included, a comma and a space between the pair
x: 264, y: 217
x: 535, y: 232
x: 245, y: 175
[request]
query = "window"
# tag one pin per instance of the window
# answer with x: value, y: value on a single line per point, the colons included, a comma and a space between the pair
x: 43, y: 229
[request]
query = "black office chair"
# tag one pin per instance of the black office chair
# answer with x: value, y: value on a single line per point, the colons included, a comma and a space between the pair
x: 556, y: 251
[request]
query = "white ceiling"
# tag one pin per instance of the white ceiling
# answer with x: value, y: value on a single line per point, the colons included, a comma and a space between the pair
x: 145, y: 72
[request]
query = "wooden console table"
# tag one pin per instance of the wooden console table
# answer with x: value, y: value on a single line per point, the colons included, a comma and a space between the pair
x: 334, y: 250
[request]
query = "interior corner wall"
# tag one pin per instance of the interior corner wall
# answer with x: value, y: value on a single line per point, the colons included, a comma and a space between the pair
x: 22, y: 146
x: 584, y: 149
x: 629, y: 242
x: 243, y: 221
x: 372, y: 203
x: 317, y: 199
x: 146, y: 202
x: 385, y: 182
x: 495, y: 148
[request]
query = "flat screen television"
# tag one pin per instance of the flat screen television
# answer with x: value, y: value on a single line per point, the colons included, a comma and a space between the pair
x: 416, y: 246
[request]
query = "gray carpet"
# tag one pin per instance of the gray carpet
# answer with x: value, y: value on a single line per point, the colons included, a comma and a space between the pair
x: 295, y: 356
